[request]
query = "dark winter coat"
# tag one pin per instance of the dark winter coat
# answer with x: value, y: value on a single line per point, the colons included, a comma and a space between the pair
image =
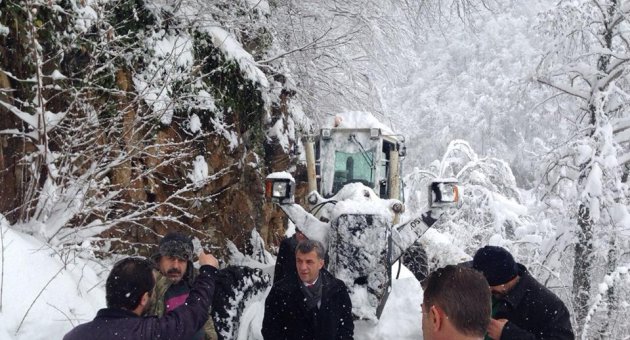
x: 533, y: 312
x: 285, y: 262
x: 183, y: 322
x: 287, y: 317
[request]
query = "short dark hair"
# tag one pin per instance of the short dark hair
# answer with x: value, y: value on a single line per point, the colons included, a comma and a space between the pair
x: 308, y: 245
x: 128, y: 281
x: 464, y: 296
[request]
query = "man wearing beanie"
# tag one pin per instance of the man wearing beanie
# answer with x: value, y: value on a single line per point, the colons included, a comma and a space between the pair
x: 174, y: 279
x: 522, y: 308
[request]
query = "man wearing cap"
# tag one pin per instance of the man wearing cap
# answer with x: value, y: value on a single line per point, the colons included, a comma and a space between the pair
x: 174, y: 280
x: 522, y: 308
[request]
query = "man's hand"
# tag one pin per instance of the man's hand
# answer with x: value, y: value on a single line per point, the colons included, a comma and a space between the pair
x: 208, y: 259
x: 495, y: 328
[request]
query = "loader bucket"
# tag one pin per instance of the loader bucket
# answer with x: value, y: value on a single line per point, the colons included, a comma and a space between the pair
x: 359, y: 255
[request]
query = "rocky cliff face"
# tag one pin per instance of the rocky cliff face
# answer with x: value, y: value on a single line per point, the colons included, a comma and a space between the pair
x: 123, y: 121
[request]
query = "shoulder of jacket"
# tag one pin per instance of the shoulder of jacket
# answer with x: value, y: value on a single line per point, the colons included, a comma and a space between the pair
x: 161, y: 282
x: 539, y: 290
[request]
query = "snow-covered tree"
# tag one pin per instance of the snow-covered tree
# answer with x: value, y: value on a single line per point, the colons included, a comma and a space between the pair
x: 491, y: 210
x: 346, y: 55
x: 588, y: 66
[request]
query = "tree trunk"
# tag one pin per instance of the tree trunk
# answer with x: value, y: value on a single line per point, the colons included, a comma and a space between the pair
x: 582, y: 266
x: 613, y: 303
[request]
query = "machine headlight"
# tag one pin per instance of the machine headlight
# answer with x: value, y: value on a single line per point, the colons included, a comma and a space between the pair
x: 443, y: 192
x: 325, y: 133
x: 279, y: 189
x: 375, y: 133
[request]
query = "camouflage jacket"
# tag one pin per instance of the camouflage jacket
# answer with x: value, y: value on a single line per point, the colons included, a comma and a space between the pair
x: 157, y: 305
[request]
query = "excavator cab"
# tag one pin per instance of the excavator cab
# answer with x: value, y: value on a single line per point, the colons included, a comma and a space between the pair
x: 363, y: 155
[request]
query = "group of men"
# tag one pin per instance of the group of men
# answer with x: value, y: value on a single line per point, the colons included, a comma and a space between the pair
x: 491, y: 297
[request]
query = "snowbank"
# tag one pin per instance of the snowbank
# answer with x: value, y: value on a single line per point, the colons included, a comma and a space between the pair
x: 43, y: 292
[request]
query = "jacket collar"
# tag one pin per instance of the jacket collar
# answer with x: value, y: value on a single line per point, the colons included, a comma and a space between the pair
x: 115, y: 313
x: 517, y: 293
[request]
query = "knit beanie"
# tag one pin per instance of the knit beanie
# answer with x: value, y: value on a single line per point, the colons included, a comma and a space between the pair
x: 496, y: 264
x: 175, y: 244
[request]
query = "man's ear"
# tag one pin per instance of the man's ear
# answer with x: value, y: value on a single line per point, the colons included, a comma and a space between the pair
x: 145, y: 299
x: 436, y: 318
x: 144, y: 302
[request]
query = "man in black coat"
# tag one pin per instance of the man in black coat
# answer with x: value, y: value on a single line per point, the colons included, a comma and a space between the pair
x: 127, y: 292
x: 522, y: 308
x: 315, y: 306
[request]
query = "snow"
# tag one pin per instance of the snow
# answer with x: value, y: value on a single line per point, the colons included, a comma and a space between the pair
x: 358, y: 119
x: 57, y: 75
x: 86, y: 15
x: 233, y: 50
x: 455, y: 84
x: 277, y: 131
x: 4, y: 30
x: 593, y: 190
x: 194, y: 123
x: 171, y: 54
x: 401, y: 318
x: 199, y: 173
x: 260, y: 5
x: 281, y: 175
x: 43, y: 288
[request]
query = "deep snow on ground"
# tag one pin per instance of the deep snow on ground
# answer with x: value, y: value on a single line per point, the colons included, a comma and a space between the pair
x: 43, y: 292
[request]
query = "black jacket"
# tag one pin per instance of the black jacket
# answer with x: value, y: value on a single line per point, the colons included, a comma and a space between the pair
x: 181, y: 323
x: 533, y: 312
x: 285, y: 262
x: 287, y: 318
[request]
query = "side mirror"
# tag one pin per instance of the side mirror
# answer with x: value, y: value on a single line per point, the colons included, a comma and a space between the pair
x: 280, y: 187
x: 443, y: 192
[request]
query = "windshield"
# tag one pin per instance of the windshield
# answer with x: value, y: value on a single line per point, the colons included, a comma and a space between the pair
x: 353, y: 167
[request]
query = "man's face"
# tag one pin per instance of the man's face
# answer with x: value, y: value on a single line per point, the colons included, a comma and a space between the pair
x: 308, y: 265
x: 498, y: 291
x: 173, y: 268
